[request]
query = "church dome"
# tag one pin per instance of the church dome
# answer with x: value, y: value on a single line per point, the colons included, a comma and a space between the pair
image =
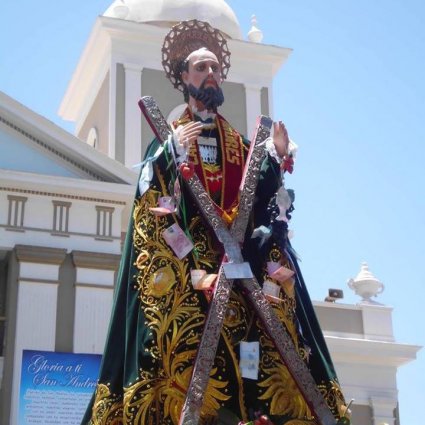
x: 169, y: 12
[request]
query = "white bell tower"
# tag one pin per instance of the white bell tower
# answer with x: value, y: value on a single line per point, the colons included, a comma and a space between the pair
x: 122, y: 62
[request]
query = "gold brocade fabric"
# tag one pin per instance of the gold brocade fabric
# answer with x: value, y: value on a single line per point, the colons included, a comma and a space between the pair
x: 174, y: 314
x: 159, y: 318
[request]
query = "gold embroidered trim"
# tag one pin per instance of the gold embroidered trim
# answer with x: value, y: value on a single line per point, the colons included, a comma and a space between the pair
x: 107, y: 407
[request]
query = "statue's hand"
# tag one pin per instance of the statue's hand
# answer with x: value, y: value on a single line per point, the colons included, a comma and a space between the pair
x: 188, y: 134
x: 280, y: 139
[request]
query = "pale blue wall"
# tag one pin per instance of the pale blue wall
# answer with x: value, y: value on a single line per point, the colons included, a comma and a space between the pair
x: 16, y: 155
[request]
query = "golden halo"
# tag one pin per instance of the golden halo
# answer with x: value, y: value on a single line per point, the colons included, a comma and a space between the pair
x: 186, y: 37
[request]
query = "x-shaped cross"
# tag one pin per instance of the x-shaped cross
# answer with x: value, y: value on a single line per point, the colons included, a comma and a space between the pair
x: 234, y: 268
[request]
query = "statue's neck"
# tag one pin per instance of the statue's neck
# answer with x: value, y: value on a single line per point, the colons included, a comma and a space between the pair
x: 203, y: 113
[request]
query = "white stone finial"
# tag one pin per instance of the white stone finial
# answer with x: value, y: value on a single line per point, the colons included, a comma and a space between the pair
x: 366, y: 285
x: 121, y: 10
x: 255, y: 35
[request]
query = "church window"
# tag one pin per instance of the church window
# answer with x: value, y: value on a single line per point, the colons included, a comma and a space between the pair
x: 104, y: 221
x: 16, y: 212
x: 60, y: 216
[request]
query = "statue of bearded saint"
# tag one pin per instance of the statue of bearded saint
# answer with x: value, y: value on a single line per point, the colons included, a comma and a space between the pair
x: 171, y: 260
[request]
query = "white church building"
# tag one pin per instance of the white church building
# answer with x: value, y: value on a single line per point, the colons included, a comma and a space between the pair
x: 65, y: 205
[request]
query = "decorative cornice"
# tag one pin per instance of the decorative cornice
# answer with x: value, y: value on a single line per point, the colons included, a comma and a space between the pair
x: 57, y: 233
x: 16, y: 198
x: 61, y: 203
x: 43, y: 281
x: 96, y: 260
x: 370, y: 352
x: 128, y: 66
x: 101, y: 208
x: 92, y: 285
x: 61, y: 195
x: 40, y: 254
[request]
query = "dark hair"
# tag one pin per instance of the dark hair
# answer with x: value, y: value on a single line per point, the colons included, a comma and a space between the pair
x: 184, y: 66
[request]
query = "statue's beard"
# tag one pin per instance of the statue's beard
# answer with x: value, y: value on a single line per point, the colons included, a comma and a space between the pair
x: 210, y: 97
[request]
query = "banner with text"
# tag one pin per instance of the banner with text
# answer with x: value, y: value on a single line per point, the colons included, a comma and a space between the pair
x: 56, y: 387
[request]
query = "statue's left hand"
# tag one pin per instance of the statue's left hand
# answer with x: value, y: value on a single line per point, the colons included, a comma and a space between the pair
x: 280, y: 138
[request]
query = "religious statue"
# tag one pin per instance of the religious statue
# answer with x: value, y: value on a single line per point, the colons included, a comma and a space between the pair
x: 177, y: 351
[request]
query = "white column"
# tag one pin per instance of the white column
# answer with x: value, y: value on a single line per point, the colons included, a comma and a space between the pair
x: 271, y: 103
x: 94, y: 287
x: 383, y: 410
x: 133, y: 121
x: 36, y: 308
x: 112, y: 108
x: 253, y: 107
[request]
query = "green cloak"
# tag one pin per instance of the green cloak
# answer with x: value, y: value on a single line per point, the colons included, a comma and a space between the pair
x: 157, y: 319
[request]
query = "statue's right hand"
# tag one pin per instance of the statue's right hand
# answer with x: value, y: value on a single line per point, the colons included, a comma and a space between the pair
x: 188, y: 133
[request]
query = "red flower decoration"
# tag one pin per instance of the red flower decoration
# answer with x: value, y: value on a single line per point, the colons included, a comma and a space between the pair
x: 287, y: 164
x: 187, y: 169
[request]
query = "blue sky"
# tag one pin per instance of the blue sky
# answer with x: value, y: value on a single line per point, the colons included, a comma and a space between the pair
x: 352, y: 95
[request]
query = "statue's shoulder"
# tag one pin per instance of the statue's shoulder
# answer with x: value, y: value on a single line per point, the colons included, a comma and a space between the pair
x: 152, y: 148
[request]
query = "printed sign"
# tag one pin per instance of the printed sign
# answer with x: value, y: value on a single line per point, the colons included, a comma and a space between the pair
x: 56, y: 387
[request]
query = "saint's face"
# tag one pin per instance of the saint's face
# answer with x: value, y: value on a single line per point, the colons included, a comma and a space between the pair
x: 203, y: 66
